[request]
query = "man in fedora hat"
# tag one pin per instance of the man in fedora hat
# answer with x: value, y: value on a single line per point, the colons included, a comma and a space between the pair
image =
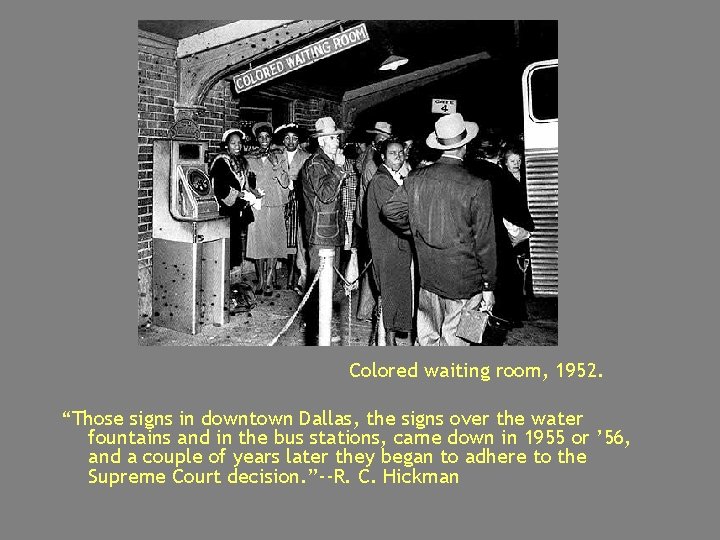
x: 322, y: 177
x: 448, y: 212
x: 368, y: 165
x: 292, y: 159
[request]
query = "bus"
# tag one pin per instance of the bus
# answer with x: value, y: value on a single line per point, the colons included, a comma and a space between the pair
x: 540, y: 111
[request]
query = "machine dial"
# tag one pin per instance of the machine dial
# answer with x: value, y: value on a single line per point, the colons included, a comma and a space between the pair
x: 199, y: 182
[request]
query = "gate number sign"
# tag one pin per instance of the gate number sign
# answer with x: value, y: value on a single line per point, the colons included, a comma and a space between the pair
x: 444, y: 106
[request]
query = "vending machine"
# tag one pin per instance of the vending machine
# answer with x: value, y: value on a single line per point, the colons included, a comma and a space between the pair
x: 191, y: 248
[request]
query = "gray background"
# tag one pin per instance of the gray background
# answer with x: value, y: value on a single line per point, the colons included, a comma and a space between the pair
x: 638, y: 199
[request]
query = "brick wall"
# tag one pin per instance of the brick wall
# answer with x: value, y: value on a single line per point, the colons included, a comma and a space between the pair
x: 212, y: 120
x: 157, y: 88
x: 157, y: 92
x: 308, y: 111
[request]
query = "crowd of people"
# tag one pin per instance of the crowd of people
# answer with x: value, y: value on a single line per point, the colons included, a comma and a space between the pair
x: 442, y: 224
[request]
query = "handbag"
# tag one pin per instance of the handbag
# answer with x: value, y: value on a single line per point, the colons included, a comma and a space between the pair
x: 473, y: 323
x: 242, y: 298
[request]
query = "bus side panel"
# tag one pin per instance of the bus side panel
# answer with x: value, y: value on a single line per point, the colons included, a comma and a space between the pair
x: 541, y: 169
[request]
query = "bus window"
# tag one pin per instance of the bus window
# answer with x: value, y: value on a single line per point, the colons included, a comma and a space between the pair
x: 544, y: 93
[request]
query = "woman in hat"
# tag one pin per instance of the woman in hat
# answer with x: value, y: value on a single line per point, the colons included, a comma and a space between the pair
x: 292, y: 158
x: 267, y: 235
x: 234, y: 190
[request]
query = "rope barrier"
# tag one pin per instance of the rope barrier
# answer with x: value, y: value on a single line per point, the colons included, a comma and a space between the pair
x: 348, y: 292
x: 354, y: 282
x: 302, y: 304
x: 348, y: 285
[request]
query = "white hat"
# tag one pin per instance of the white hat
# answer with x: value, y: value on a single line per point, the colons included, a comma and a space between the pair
x: 292, y: 127
x: 230, y: 131
x: 451, y: 132
x: 326, y: 126
x: 381, y: 128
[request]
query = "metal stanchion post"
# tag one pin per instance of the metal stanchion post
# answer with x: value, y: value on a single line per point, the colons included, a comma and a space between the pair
x: 380, y: 324
x: 351, y: 272
x: 327, y: 259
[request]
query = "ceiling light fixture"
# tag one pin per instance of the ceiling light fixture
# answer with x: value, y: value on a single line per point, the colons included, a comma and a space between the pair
x: 393, y: 62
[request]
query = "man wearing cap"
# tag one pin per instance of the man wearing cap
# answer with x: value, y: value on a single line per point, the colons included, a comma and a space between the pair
x: 368, y: 164
x: 291, y: 160
x: 448, y: 212
x: 369, y: 161
x: 322, y: 177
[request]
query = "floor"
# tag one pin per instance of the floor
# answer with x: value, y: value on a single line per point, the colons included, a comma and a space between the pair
x: 264, y: 322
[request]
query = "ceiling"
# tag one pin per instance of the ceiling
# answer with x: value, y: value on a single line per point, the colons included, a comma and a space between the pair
x: 425, y: 43
x: 487, y: 90
x: 179, y: 29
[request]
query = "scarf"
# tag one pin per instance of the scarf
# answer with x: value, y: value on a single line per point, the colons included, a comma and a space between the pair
x: 397, y: 176
x: 237, y: 165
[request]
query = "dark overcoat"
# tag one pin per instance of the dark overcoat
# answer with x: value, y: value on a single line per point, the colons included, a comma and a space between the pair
x: 391, y: 255
x: 449, y: 212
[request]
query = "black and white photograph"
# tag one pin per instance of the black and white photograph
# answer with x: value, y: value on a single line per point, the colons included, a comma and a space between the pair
x: 348, y: 182
x: 308, y: 185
